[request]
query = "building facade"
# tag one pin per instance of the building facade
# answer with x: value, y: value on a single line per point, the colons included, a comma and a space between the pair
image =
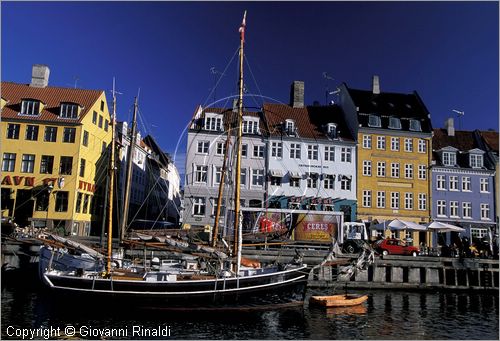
x: 393, y: 133
x: 311, y: 157
x: 463, y: 183
x: 54, y: 154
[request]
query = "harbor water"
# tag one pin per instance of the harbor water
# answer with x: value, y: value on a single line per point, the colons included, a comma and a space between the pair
x: 385, y: 315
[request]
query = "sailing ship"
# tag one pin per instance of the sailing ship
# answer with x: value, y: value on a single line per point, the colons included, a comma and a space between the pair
x: 209, y: 277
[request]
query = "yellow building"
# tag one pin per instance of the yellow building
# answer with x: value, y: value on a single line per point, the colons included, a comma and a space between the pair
x: 54, y: 154
x: 394, y: 135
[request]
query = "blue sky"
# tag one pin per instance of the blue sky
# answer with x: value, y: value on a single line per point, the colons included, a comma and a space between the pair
x: 446, y: 51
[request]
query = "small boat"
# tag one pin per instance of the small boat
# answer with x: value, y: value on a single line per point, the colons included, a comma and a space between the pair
x: 345, y: 300
x: 352, y: 310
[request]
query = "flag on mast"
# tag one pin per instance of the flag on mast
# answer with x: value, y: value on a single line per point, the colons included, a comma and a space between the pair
x: 242, y: 27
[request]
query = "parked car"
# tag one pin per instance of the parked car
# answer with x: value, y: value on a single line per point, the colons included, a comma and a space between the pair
x: 395, y: 247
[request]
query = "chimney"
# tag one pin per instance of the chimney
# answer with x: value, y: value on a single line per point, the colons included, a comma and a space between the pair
x: 449, y: 126
x: 40, y: 76
x: 375, y: 85
x: 297, y: 94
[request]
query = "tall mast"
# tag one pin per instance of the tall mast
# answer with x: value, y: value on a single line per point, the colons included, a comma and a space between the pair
x: 126, y: 197
x: 111, y: 171
x: 238, y: 146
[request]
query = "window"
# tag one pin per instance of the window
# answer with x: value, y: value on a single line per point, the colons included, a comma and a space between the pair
x: 94, y: 117
x: 441, y: 208
x: 258, y: 151
x: 467, y: 210
x: 440, y: 182
x: 66, y: 165
x: 257, y: 177
x: 86, y: 200
x: 221, y: 148
x: 203, y: 147
x: 213, y: 123
x: 244, y: 150
x: 250, y: 127
x: 381, y: 142
x: 329, y: 153
x: 345, y: 183
x: 395, y: 143
x: 422, y: 201
x: 78, y: 207
x: 222, y: 207
x: 485, y: 211
x: 100, y: 121
x: 422, y: 172
x: 367, y: 168
x: 28, y: 163
x: 449, y: 159
x: 381, y: 168
x: 82, y: 168
x: 367, y: 141
x: 367, y: 198
x: 294, y: 182
x: 69, y: 110
x: 478, y: 233
x: 312, y: 180
x: 395, y: 170
x: 85, y: 138
x: 381, y: 199
x: 243, y: 177
x: 422, y: 146
x: 42, y: 201
x: 453, y: 180
x: 217, y: 175
x: 8, y: 162
x: 466, y: 183
x: 408, y: 145
x: 47, y: 164
x: 395, y: 200
x: 476, y: 161
x: 31, y: 132
x: 408, y: 201
x: 201, y: 174
x: 30, y: 107
x: 345, y: 154
x: 454, y: 209
x: 102, y: 105
x: 415, y: 125
x: 13, y: 131
x: 275, y: 180
x: 312, y: 152
x: 394, y: 123
x: 69, y: 135
x: 106, y: 125
x: 199, y: 206
x: 50, y: 134
x: 408, y: 171
x: 277, y: 149
x: 290, y: 127
x: 374, y: 121
x: 328, y: 181
x: 331, y: 129
x: 294, y: 151
x: 484, y: 185
x: 62, y: 201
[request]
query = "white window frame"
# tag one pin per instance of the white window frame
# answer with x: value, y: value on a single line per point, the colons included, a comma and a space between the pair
x: 394, y: 170
x: 312, y: 151
x: 345, y: 155
x: 329, y: 153
x: 395, y: 144
x: 328, y: 181
x: 277, y: 149
x: 453, y: 183
x: 367, y: 168
x: 408, y: 201
x: 441, y: 208
x: 203, y: 145
x: 258, y: 151
x: 381, y: 169
x: 367, y: 198
x: 381, y: 199
x: 199, y: 204
x: 449, y: 158
x: 220, y: 150
x: 408, y: 145
x: 213, y: 123
x: 367, y: 141
x: 485, y: 211
x: 200, y: 174
x: 408, y: 171
x: 295, y: 150
x: 395, y: 200
x: 422, y: 146
x: 422, y: 201
x: 454, y: 209
x: 257, y: 174
x: 381, y: 142
x: 440, y: 182
x: 476, y: 160
x: 466, y: 184
x: 484, y: 185
x: 467, y: 210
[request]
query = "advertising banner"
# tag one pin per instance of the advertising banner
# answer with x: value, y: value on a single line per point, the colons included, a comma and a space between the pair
x: 316, y: 227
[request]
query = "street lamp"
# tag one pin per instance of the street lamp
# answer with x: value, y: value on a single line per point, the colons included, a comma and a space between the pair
x: 50, y: 187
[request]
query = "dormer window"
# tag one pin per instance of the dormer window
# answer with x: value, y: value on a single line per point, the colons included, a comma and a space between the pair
x: 415, y: 125
x: 394, y: 123
x: 213, y: 123
x: 290, y: 127
x: 250, y: 127
x: 69, y: 110
x: 449, y: 158
x: 476, y: 160
x: 374, y: 121
x: 30, y: 107
x: 331, y: 129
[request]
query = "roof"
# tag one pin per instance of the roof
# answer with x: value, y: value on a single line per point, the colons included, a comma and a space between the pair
x: 387, y: 104
x: 310, y: 121
x: 491, y: 139
x: 50, y: 96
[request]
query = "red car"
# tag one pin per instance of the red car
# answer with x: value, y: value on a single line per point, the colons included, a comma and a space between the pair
x: 395, y: 247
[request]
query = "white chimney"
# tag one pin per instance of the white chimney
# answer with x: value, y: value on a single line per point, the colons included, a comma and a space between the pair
x: 450, y: 126
x: 375, y: 85
x: 40, y: 76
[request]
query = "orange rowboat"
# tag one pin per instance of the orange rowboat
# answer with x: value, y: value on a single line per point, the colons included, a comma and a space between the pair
x: 338, y: 300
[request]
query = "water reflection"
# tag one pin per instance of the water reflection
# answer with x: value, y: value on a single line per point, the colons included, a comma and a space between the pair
x: 385, y: 315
